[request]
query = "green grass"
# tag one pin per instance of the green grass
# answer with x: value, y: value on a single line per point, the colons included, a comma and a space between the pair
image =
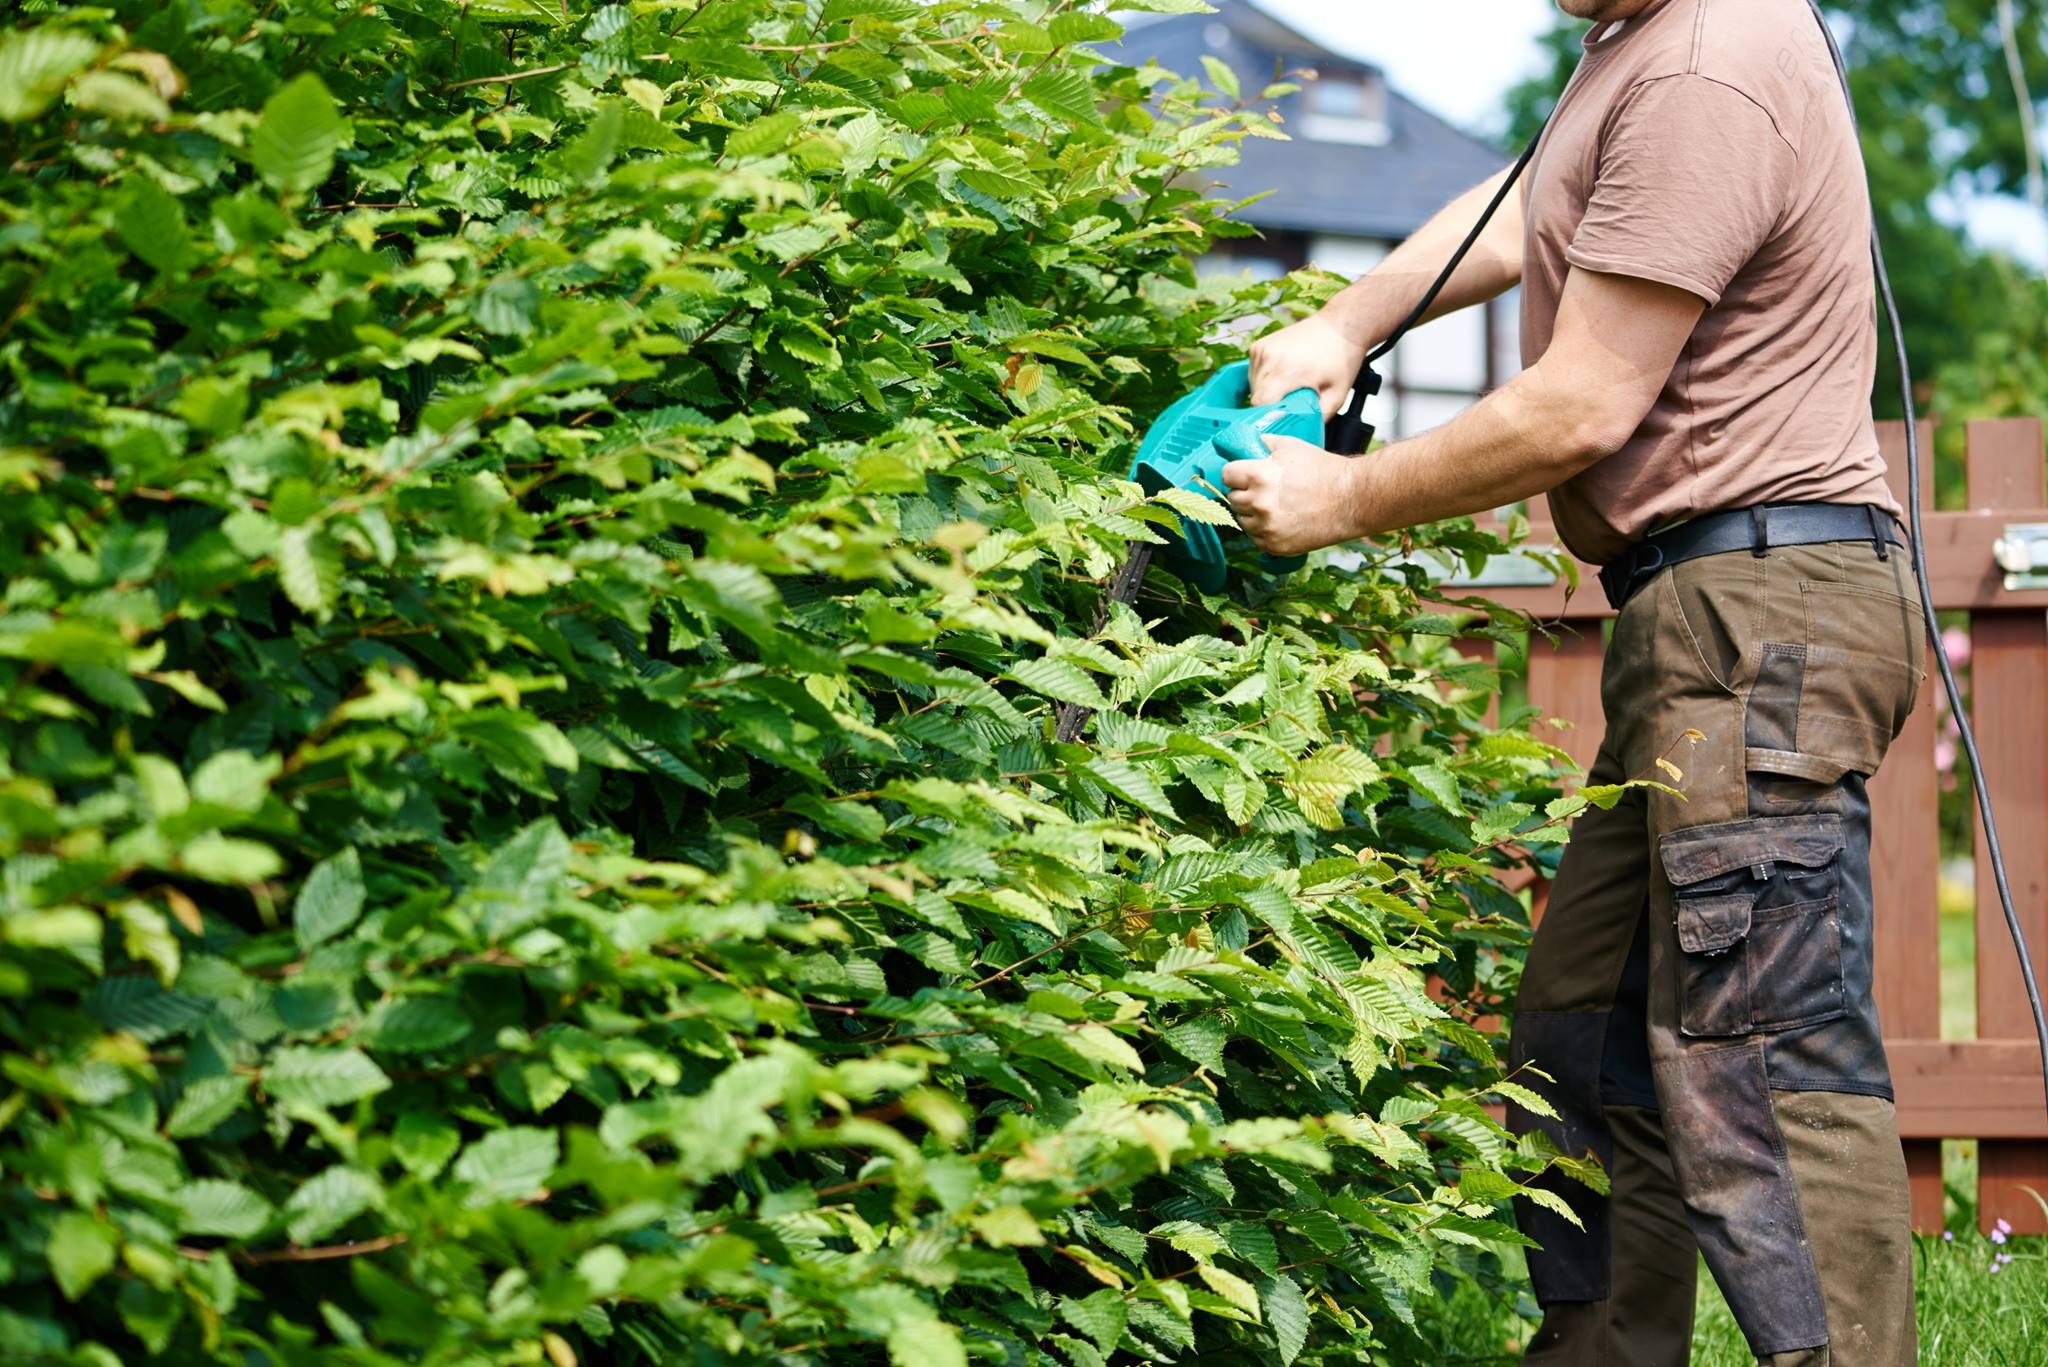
x: 1969, y: 1315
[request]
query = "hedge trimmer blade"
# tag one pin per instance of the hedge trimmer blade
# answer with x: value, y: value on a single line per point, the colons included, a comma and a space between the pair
x: 1122, y: 589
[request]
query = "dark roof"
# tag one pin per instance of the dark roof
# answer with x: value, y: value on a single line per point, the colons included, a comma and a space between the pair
x: 1326, y: 187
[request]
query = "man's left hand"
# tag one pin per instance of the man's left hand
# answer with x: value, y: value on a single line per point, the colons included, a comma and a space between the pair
x: 1298, y: 499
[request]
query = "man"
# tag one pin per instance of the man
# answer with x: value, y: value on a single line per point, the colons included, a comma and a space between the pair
x: 1699, y: 336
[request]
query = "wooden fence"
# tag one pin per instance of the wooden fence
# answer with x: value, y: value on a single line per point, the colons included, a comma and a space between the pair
x: 1986, y: 1088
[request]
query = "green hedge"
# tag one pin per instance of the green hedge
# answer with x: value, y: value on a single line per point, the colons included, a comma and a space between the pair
x: 541, y: 542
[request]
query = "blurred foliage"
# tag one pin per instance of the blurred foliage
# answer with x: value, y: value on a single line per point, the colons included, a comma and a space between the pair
x: 541, y: 545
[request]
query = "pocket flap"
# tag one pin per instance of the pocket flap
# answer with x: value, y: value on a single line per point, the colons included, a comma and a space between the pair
x: 1708, y: 925
x: 1698, y: 853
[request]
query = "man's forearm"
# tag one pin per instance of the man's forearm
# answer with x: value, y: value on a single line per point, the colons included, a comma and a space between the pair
x: 1519, y: 441
x: 1370, y: 307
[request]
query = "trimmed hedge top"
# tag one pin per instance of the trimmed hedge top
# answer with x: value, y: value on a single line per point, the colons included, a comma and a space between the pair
x: 541, y: 543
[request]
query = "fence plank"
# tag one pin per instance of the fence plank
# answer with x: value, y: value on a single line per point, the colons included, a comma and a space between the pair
x: 1967, y: 1089
x: 2009, y: 651
x: 1564, y: 680
x: 1891, y: 443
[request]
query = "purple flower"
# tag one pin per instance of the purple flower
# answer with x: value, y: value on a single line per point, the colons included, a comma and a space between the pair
x: 1998, y: 1235
x: 1948, y: 1236
x: 2002, y: 1226
x: 1996, y: 1268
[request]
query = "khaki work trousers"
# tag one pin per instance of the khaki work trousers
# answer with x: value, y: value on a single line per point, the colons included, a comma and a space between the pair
x: 1699, y: 990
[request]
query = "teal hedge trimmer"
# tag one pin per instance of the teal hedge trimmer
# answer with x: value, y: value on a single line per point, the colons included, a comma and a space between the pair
x: 1187, y: 448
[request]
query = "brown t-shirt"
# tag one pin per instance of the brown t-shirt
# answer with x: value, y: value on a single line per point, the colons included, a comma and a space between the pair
x: 1707, y: 144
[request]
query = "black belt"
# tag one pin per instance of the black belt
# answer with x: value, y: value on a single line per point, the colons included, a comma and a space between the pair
x: 1755, y: 530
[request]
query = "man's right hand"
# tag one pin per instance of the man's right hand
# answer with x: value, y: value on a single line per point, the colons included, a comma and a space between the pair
x: 1311, y: 354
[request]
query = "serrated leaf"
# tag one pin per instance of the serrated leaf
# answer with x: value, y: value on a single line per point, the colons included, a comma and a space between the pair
x: 1528, y: 1099
x: 226, y: 859
x: 1477, y: 1184
x: 151, y: 223
x: 1059, y: 680
x: 1440, y: 785
x: 1232, y: 1288
x: 1324, y: 781
x: 1321, y: 1228
x: 1287, y: 1313
x: 228, y: 1209
x: 1498, y: 823
x: 770, y: 133
x: 1200, y: 1039
x: 1220, y: 75
x: 423, y: 1142
x: 1554, y: 1203
x: 308, y: 567
x: 591, y: 152
x: 1254, y: 1243
x: 1101, y: 1317
x: 294, y: 142
x: 81, y: 1251
x: 922, y: 1341
x: 330, y: 899
x: 508, y: 1164
x: 415, y: 1024
x: 1084, y: 28
x: 35, y: 64
x: 327, y: 1202
x: 1064, y: 94
x: 1585, y: 1171
x: 206, y: 1102
x: 322, y: 1077
x: 117, y: 95
x: 1133, y: 784
x: 1196, y: 507
x: 1009, y: 1226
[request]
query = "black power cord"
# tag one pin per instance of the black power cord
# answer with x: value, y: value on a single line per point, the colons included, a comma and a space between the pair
x: 1348, y: 433
x: 1989, y: 822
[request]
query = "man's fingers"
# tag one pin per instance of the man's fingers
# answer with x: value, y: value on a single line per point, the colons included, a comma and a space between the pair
x: 1237, y: 474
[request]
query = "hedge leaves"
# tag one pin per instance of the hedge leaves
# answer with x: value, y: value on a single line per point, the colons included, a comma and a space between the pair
x: 542, y: 546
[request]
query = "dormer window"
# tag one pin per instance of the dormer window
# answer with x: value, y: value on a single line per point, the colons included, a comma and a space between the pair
x: 1346, y: 106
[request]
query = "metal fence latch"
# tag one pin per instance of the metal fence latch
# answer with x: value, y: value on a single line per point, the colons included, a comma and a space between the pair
x: 2022, y: 552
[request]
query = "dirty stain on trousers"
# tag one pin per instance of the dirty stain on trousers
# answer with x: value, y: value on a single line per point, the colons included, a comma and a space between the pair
x: 1700, y: 986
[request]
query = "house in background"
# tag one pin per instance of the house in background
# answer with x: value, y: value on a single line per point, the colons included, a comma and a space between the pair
x: 1365, y: 168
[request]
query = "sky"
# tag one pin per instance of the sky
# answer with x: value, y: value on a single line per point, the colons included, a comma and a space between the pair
x: 1458, y: 58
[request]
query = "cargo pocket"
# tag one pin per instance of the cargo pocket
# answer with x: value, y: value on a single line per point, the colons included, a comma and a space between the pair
x: 1759, y: 923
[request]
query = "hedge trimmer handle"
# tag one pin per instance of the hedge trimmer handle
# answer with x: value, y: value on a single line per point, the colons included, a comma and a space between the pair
x: 1298, y: 415
x: 1348, y: 433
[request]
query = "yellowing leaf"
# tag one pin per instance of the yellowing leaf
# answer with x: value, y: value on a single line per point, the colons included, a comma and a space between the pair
x: 1008, y: 1227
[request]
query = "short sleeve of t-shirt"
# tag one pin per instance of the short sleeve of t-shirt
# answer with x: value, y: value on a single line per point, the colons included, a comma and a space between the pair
x: 1693, y: 178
